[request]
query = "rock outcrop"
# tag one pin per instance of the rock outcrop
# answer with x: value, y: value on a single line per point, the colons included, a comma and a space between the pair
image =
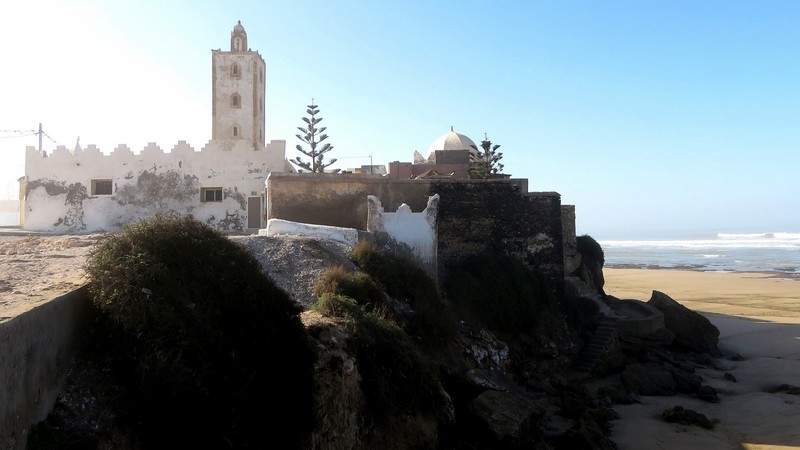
x: 692, y: 330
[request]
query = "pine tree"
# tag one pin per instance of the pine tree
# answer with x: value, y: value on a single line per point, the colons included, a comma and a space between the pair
x: 313, y: 137
x: 487, y: 162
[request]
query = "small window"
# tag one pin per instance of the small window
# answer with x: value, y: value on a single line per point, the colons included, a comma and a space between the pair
x: 235, y: 131
x: 236, y: 101
x: 235, y: 72
x: 211, y: 194
x: 101, y: 187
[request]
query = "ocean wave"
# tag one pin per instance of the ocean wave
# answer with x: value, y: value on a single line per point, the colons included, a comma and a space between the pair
x: 705, y: 244
x: 757, y: 236
x: 789, y: 241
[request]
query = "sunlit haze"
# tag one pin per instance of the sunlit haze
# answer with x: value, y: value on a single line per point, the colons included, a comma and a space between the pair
x: 655, y: 119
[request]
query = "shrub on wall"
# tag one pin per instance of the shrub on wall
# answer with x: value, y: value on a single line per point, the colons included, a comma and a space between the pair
x: 396, y: 377
x: 432, y: 318
x: 215, y: 353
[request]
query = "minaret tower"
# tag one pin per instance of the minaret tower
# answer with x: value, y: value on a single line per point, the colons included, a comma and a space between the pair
x: 238, y: 88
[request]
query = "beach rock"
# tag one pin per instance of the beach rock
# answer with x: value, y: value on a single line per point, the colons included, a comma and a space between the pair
x: 677, y: 414
x: 511, y: 419
x: 692, y: 330
x: 707, y: 393
x: 729, y: 376
x: 617, y: 395
x: 686, y: 382
x: 787, y: 388
x: 648, y: 379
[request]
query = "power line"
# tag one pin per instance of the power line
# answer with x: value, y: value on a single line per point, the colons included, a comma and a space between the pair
x: 19, y: 136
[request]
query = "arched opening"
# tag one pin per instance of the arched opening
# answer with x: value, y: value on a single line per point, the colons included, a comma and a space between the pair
x: 235, y: 131
x: 236, y: 101
x: 235, y: 71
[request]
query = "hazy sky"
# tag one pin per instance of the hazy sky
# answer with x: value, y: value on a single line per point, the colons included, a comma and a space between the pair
x: 653, y: 118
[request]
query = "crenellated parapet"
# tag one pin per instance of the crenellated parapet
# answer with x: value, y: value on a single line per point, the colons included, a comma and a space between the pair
x: 87, y: 189
x: 181, y: 150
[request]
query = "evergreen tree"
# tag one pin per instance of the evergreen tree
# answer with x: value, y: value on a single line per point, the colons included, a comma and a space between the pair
x: 487, y: 161
x: 313, y: 136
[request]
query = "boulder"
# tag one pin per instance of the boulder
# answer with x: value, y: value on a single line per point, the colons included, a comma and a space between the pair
x: 648, y: 379
x: 511, y: 419
x: 692, y: 330
x: 678, y: 414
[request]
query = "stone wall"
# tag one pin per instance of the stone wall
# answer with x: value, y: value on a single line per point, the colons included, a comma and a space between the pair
x: 495, y: 217
x: 475, y: 216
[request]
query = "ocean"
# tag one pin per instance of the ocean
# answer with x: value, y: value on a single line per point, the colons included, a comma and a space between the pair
x: 777, y: 253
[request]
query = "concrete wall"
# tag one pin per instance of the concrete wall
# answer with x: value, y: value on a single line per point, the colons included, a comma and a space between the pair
x: 59, y: 197
x: 475, y: 216
x: 37, y: 348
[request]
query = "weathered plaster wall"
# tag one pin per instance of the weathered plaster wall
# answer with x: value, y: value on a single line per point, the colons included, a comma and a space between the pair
x: 475, y: 216
x: 337, y: 199
x: 37, y: 348
x: 59, y: 197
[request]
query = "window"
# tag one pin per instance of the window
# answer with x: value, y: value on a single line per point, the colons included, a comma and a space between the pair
x: 236, y: 101
x: 211, y: 194
x: 235, y: 131
x: 101, y: 187
x: 235, y: 72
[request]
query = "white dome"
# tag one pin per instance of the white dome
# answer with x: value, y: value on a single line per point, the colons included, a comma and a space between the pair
x: 452, y: 141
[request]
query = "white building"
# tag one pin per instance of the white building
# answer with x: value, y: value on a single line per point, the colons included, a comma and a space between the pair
x: 222, y: 184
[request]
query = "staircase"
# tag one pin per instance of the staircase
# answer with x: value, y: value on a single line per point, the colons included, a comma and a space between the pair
x: 597, y: 345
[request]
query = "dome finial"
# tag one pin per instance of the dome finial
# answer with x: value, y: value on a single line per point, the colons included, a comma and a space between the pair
x: 451, y: 128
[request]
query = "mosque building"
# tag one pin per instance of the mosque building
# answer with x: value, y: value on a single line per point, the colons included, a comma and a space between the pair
x: 222, y: 184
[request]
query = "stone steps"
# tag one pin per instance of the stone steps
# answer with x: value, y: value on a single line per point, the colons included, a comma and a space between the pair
x: 594, y: 349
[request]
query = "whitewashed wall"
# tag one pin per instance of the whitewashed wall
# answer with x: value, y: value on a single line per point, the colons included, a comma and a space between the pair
x: 58, y: 186
x: 416, y: 230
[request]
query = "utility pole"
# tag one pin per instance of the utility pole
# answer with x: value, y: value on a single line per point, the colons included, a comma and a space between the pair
x: 40, y: 136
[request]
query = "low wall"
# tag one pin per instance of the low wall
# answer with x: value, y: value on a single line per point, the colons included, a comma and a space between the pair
x: 37, y: 348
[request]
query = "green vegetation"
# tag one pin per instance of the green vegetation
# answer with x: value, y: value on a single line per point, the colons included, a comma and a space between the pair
x: 432, y: 320
x: 487, y: 162
x: 356, y: 285
x: 503, y: 294
x: 389, y: 338
x: 396, y: 376
x: 211, y: 352
x: 313, y: 136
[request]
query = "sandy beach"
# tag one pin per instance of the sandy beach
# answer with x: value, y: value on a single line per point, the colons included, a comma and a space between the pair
x: 758, y: 316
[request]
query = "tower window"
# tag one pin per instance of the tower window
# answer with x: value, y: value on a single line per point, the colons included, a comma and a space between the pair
x: 237, y: 44
x: 235, y: 71
x: 235, y: 131
x: 236, y: 101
